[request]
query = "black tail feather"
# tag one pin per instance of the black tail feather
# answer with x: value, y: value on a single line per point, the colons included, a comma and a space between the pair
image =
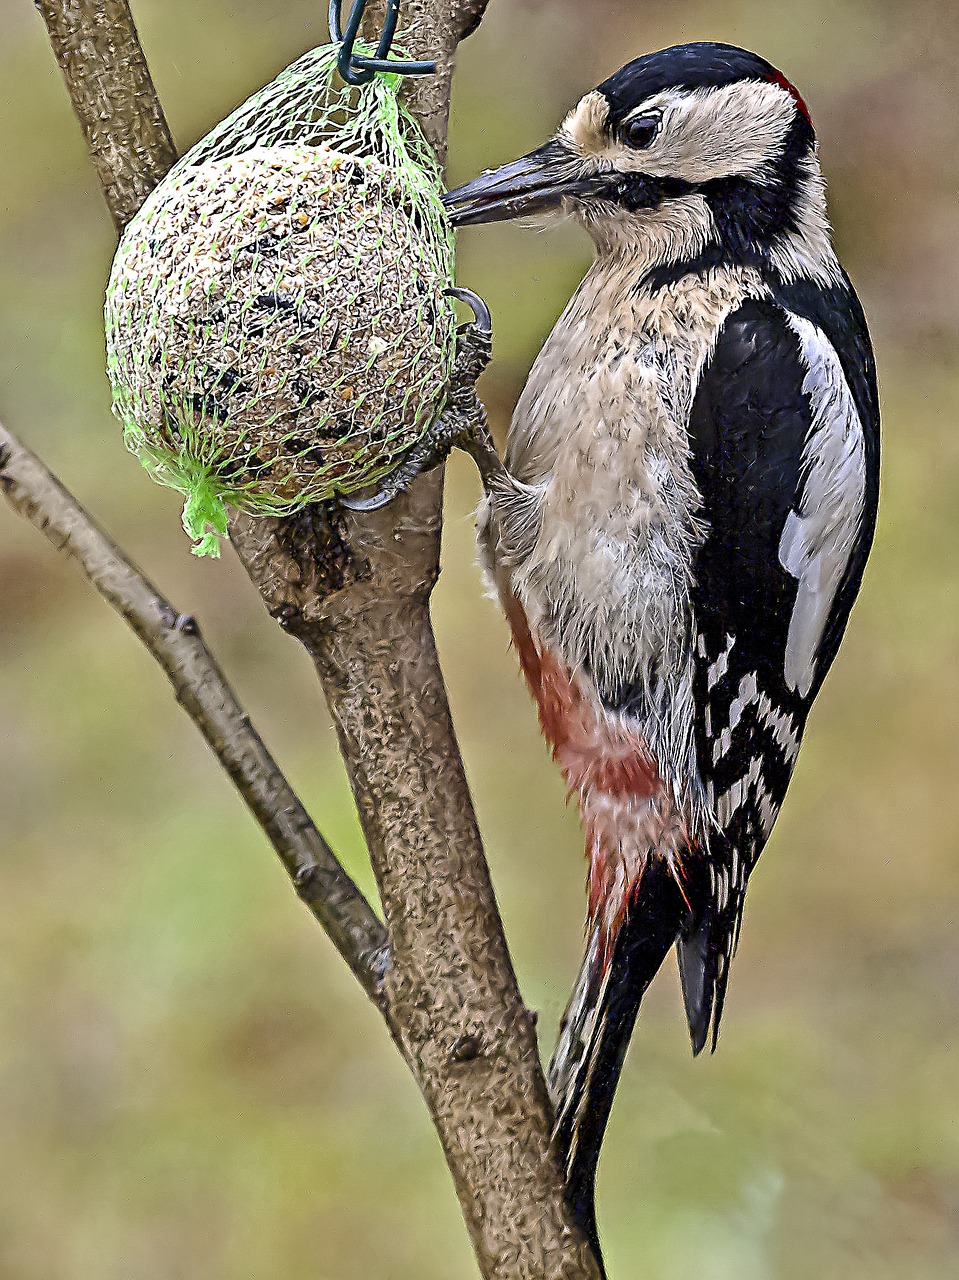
x: 597, y: 1026
x: 706, y: 949
x: 698, y: 983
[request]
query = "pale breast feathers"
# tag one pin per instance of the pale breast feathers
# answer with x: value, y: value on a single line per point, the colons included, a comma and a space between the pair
x: 607, y: 515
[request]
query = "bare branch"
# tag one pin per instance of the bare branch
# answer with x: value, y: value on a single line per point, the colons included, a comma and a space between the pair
x: 203, y: 692
x: 452, y: 1000
x: 469, y: 14
x: 97, y: 47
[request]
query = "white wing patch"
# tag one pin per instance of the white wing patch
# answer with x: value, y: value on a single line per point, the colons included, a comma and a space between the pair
x: 818, y: 536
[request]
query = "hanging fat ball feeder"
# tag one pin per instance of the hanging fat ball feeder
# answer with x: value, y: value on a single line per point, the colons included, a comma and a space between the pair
x: 278, y: 325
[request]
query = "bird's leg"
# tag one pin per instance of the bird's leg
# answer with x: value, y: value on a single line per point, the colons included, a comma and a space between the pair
x: 461, y: 425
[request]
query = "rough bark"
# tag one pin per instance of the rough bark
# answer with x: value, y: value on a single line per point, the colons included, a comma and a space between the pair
x: 451, y: 997
x: 99, y: 52
x: 355, y: 591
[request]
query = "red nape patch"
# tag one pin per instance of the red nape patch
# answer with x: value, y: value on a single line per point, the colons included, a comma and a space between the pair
x: 778, y: 78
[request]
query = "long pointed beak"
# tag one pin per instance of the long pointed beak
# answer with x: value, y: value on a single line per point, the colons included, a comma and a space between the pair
x: 534, y: 183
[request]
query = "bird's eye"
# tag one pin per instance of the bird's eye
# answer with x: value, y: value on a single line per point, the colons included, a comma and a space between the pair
x: 640, y: 131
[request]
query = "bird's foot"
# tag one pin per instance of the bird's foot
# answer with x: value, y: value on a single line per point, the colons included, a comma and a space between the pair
x: 461, y: 425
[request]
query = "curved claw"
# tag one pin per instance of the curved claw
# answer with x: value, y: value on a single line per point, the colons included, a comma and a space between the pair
x: 484, y: 321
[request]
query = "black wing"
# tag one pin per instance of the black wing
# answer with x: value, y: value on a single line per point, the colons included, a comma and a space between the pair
x: 785, y: 453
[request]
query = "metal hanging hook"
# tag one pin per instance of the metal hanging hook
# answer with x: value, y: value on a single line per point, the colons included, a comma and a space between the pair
x: 354, y: 67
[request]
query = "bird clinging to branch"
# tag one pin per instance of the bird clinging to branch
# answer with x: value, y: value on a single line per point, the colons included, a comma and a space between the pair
x: 689, y: 499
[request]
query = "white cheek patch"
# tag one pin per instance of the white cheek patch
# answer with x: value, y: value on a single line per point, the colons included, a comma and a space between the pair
x: 705, y: 133
x: 819, y: 535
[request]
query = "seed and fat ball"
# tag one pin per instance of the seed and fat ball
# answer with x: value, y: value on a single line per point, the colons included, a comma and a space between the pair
x: 277, y: 327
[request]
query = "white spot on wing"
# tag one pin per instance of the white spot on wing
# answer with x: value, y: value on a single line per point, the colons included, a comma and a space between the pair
x: 768, y: 810
x: 719, y: 668
x: 732, y: 800
x: 729, y: 802
x: 748, y: 692
x: 782, y: 727
x: 818, y: 537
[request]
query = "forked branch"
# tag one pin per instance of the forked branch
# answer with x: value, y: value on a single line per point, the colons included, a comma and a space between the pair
x: 355, y: 591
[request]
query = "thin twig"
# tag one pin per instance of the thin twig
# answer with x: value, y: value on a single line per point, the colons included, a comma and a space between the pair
x: 202, y: 690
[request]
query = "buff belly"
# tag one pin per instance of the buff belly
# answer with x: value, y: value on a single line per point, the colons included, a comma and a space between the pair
x: 591, y: 553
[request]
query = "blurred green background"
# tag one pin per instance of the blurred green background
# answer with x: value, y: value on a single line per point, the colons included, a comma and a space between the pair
x: 190, y: 1084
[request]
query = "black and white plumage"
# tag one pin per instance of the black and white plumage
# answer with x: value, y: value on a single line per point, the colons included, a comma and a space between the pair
x: 691, y: 497
x: 789, y: 478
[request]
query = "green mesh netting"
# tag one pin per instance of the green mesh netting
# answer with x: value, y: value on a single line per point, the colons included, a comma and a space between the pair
x: 277, y: 331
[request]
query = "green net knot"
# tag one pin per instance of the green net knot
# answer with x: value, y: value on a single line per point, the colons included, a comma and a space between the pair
x: 205, y: 516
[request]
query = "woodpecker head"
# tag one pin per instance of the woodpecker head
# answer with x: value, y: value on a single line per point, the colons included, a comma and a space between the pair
x: 701, y: 151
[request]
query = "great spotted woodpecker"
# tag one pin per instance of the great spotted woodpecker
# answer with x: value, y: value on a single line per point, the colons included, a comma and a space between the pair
x: 689, y: 500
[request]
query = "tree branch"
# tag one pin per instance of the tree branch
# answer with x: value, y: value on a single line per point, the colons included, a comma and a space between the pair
x: 452, y: 999
x: 355, y: 591
x: 99, y: 52
x: 202, y: 690
x: 469, y: 15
